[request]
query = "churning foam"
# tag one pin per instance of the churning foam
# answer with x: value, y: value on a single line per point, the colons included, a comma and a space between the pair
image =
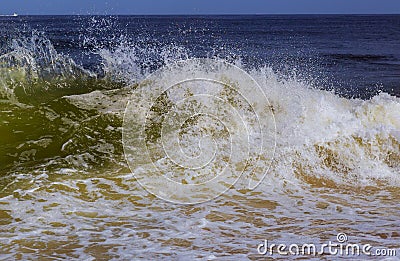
x: 321, y: 137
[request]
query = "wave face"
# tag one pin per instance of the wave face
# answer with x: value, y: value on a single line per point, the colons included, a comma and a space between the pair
x: 65, y: 184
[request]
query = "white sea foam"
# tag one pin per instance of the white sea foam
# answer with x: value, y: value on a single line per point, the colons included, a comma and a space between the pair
x: 336, y: 159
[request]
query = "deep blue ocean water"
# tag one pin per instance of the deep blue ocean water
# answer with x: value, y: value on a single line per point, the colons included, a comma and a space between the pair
x: 357, y: 55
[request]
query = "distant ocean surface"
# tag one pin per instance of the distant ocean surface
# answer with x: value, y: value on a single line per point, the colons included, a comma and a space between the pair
x: 66, y: 192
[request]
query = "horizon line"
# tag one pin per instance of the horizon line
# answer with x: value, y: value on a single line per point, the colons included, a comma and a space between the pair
x: 205, y: 14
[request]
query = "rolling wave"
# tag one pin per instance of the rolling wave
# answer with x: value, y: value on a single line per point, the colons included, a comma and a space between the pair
x: 57, y: 115
x: 66, y: 190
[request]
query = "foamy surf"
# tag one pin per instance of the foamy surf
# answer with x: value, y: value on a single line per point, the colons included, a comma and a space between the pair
x: 67, y: 192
